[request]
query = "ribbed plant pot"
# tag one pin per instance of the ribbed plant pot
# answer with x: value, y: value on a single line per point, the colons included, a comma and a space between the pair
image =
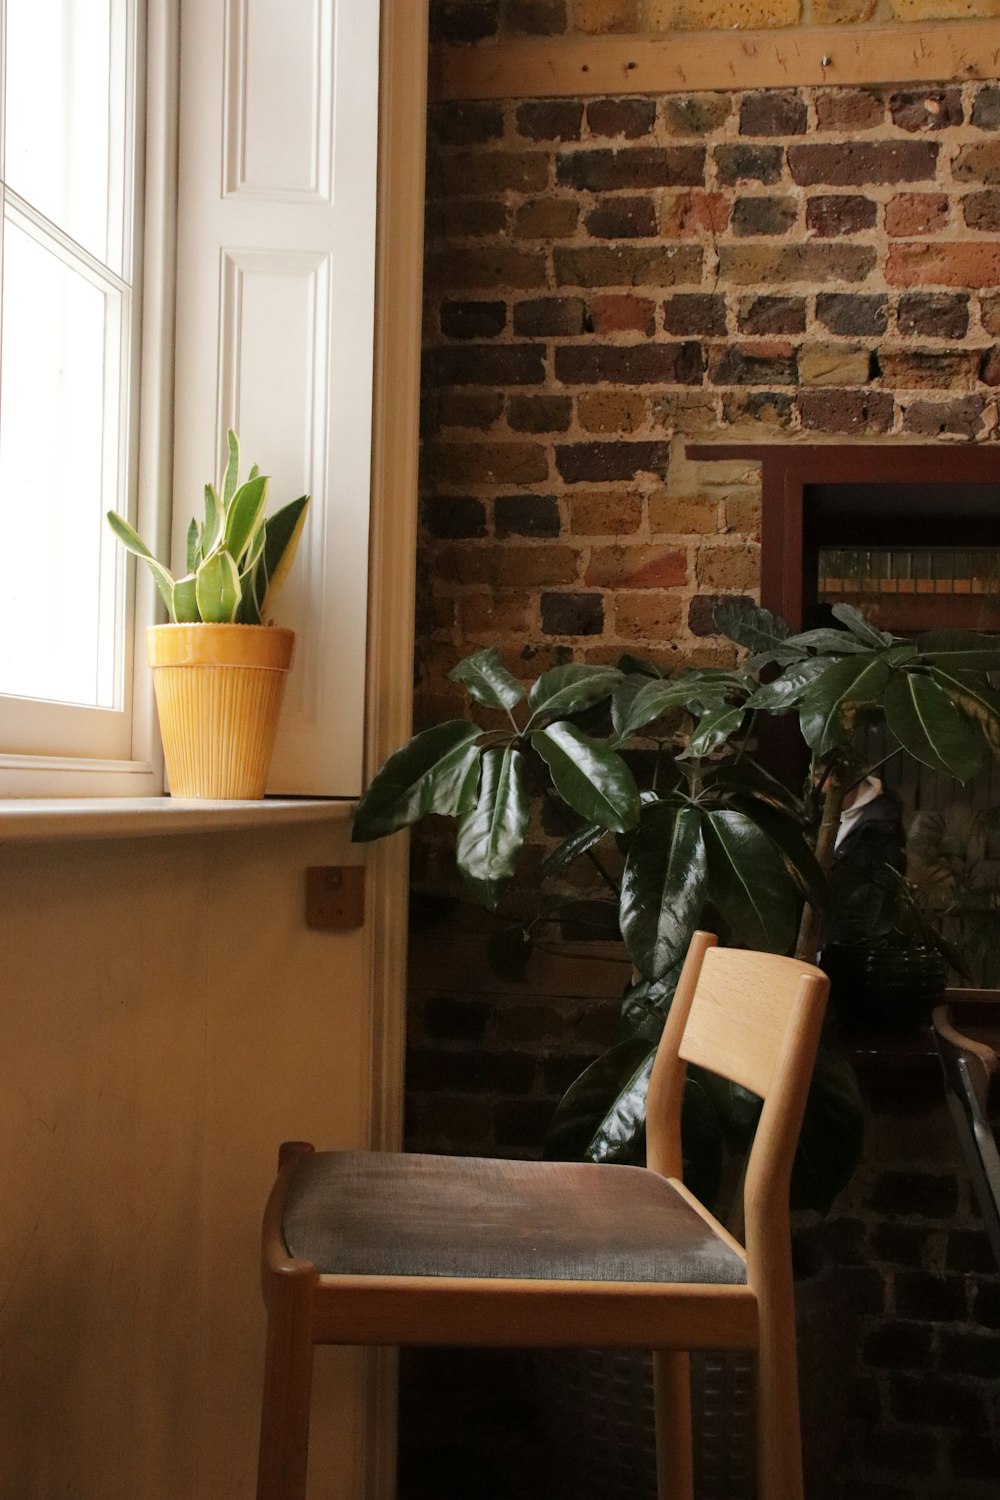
x: 218, y: 694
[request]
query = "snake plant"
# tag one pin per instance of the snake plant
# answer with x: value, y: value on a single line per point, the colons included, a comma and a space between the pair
x: 237, y: 558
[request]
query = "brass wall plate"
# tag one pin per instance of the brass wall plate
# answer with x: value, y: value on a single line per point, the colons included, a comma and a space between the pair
x: 335, y: 897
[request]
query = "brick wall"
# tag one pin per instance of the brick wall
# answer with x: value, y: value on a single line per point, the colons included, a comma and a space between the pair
x: 484, y: 20
x: 606, y: 279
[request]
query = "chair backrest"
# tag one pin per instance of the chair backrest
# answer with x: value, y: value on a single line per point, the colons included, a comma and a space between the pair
x: 967, y: 1032
x: 754, y: 1018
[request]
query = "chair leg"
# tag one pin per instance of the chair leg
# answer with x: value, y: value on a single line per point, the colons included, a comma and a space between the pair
x: 288, y: 1366
x: 779, y: 1437
x: 672, y: 1393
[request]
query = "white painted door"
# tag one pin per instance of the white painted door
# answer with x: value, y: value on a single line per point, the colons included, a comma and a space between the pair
x: 275, y: 313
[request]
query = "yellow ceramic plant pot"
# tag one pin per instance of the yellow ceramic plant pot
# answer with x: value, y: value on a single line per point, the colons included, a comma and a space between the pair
x: 218, y: 694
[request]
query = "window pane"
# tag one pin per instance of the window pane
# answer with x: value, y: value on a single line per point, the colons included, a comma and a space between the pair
x: 59, y: 465
x: 66, y: 117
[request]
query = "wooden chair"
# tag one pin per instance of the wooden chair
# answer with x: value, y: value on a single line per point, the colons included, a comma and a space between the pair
x: 383, y: 1249
x: 967, y: 1032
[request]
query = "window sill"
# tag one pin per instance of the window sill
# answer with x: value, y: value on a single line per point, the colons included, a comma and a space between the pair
x: 37, y: 819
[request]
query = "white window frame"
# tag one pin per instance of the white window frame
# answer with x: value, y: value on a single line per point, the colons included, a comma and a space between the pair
x: 141, y: 773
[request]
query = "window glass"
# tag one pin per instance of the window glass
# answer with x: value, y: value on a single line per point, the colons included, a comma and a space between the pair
x: 65, y: 345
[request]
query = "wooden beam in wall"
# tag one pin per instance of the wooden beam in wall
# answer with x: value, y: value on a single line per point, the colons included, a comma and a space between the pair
x: 689, y: 61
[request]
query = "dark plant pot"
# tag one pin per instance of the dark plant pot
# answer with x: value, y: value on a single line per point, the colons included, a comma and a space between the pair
x: 599, y: 1408
x: 885, y: 984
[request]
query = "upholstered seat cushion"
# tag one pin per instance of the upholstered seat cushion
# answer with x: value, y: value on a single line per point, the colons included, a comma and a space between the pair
x: 378, y: 1214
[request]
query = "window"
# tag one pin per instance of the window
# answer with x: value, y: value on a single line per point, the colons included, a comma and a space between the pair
x: 70, y: 174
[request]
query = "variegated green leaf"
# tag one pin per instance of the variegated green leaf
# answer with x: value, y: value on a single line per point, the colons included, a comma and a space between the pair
x: 232, y: 475
x: 281, y: 541
x: 131, y: 540
x: 213, y: 520
x: 218, y: 589
x: 245, y: 513
x: 186, y: 600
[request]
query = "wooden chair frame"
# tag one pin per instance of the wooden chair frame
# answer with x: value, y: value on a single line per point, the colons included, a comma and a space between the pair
x: 767, y: 1043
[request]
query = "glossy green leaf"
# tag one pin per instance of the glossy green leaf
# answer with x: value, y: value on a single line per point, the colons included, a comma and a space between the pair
x: 602, y: 1116
x: 186, y: 600
x: 282, y: 534
x: 656, y: 698
x: 714, y: 728
x: 567, y: 690
x: 591, y: 778
x: 232, y: 475
x: 749, y: 625
x: 645, y: 1005
x: 640, y: 665
x: 832, y: 1134
x: 788, y: 837
x: 217, y: 588
x: 922, y: 717
x: 972, y: 697
x: 571, y: 848
x: 244, y: 515
x: 830, y: 704
x: 787, y: 691
x: 960, y: 650
x: 487, y: 680
x: 748, y: 882
x: 131, y: 540
x: 491, y: 835
x: 828, y: 642
x: 663, y: 887
x: 435, y: 772
x: 859, y: 627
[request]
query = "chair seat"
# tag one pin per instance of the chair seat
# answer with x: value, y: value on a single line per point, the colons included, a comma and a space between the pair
x: 383, y: 1214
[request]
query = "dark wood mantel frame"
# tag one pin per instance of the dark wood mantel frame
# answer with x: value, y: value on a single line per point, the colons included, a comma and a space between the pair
x: 787, y: 469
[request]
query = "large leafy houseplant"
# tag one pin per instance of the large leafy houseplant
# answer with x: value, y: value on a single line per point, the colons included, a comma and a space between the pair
x: 712, y: 839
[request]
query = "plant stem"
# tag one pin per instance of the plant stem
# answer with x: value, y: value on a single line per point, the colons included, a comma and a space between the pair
x: 809, y: 929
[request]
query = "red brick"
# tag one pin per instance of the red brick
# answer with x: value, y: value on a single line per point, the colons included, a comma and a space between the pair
x: 840, y: 214
x: 611, y: 411
x: 772, y: 315
x: 539, y: 413
x: 463, y: 218
x: 486, y: 267
x: 695, y: 312
x: 486, y: 364
x: 645, y: 567
x: 505, y: 612
x: 916, y: 213
x: 774, y: 112
x: 926, y: 109
x: 846, y: 411
x: 489, y: 463
x: 580, y: 463
x: 535, y: 17
x: 687, y: 215
x: 915, y: 263
x: 620, y: 313
x: 478, y: 173
x: 982, y: 210
x: 473, y: 320
x: 468, y: 123
x: 572, y: 614
x: 750, y: 265
x: 652, y: 616
x: 630, y: 118
x: 978, y: 163
x: 605, y: 513
x: 763, y: 216
x: 516, y: 567
x: 464, y: 20
x: 857, y: 162
x: 733, y: 569
x: 550, y: 119
x: 464, y: 408
x: 548, y: 316
x: 632, y: 167
x: 626, y: 265
x: 546, y: 219
x: 621, y: 218
x: 680, y: 363
x: 962, y: 416
x: 849, y: 109
x: 695, y: 114
x: 752, y: 364
x: 767, y: 409
x: 929, y: 369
